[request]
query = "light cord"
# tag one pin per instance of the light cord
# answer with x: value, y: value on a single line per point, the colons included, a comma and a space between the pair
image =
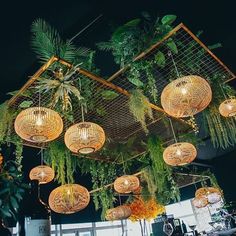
x: 173, y: 131
x: 172, y: 58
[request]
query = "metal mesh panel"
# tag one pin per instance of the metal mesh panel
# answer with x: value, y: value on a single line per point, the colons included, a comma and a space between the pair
x: 192, y: 58
x: 115, y: 118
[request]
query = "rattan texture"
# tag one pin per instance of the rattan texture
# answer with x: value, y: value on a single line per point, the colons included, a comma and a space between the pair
x: 126, y: 184
x: 44, y: 174
x: 118, y: 213
x: 228, y: 107
x: 69, y: 198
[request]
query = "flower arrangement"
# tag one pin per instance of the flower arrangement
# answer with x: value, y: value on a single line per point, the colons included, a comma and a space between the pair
x: 145, y: 210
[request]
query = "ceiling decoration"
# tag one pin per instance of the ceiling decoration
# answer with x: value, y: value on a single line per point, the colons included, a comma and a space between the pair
x: 179, y: 154
x: 228, y: 107
x: 38, y: 124
x: 84, y: 137
x: 118, y: 213
x: 186, y: 96
x: 212, y: 194
x: 44, y: 174
x: 126, y: 184
x: 126, y: 107
x: 69, y: 198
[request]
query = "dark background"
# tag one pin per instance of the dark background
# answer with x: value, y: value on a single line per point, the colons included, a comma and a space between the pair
x: 215, y: 18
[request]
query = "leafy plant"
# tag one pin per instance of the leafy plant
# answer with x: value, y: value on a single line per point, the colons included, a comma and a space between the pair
x: 166, y: 188
x: 222, y: 130
x: 47, y: 42
x: 62, y: 87
x: 12, y: 189
x: 64, y: 165
x: 139, y: 107
x: 102, y: 174
x: 6, y: 120
x: 135, y: 36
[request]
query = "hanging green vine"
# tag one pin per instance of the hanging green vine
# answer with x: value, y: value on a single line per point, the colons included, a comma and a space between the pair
x: 139, y: 107
x: 167, y: 189
x: 62, y: 162
x: 102, y: 174
x: 222, y: 130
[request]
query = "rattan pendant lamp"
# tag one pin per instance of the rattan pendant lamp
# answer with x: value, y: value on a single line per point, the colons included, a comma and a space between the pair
x: 186, y: 95
x: 84, y: 137
x: 126, y: 183
x: 228, y: 107
x: 38, y: 124
x: 43, y: 173
x: 179, y: 153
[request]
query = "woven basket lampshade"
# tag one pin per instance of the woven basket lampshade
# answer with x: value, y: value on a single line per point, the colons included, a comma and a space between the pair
x: 186, y: 96
x: 200, y: 202
x: 228, y: 108
x: 69, y: 198
x: 84, y: 137
x: 38, y: 124
x: 118, y: 213
x: 44, y: 174
x: 179, y: 154
x: 213, y: 195
x: 126, y: 184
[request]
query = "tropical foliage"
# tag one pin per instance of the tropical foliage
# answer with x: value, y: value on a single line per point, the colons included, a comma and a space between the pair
x: 12, y: 189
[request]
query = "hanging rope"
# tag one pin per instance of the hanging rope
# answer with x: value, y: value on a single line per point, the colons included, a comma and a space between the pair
x: 86, y: 27
x: 172, y: 129
x: 172, y: 58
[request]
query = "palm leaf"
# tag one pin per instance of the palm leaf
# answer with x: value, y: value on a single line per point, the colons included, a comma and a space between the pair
x: 46, y: 40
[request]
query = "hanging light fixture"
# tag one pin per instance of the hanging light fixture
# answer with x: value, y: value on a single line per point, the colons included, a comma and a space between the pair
x: 38, y: 124
x: 118, y: 213
x: 84, y: 137
x: 126, y: 184
x: 69, y: 198
x: 228, y: 107
x: 213, y: 195
x: 185, y: 96
x: 199, y: 202
x: 44, y: 174
x: 179, y: 153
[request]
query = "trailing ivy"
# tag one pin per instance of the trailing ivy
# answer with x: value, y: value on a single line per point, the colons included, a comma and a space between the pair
x: 222, y: 130
x: 139, y: 107
x: 6, y: 121
x: 62, y: 162
x: 102, y: 174
x: 167, y: 189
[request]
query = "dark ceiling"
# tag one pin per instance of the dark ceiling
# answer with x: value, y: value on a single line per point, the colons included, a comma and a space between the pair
x: 214, y: 17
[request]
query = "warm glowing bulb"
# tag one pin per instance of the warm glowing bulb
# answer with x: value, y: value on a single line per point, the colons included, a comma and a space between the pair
x: 84, y: 134
x: 183, y: 91
x: 230, y: 107
x: 126, y: 182
x: 178, y: 152
x: 39, y: 121
x: 42, y: 174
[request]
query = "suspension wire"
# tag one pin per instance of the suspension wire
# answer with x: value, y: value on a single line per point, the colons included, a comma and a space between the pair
x: 86, y: 27
x: 172, y: 129
x: 172, y: 58
x: 41, y: 156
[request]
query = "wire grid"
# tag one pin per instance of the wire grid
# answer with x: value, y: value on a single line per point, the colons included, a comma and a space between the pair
x: 192, y: 58
x: 117, y: 122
